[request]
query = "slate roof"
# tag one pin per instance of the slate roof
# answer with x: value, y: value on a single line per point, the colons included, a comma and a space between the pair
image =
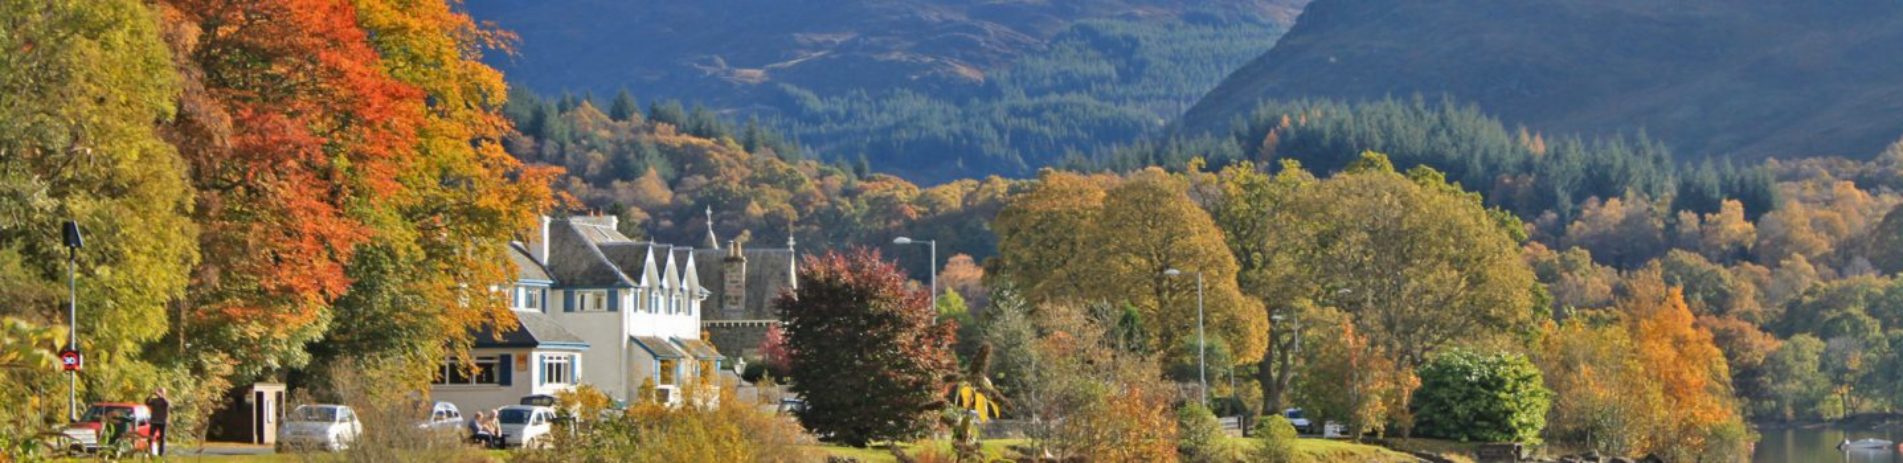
x: 575, y: 260
x: 534, y: 329
x: 659, y: 346
x: 526, y: 266
x: 769, y: 270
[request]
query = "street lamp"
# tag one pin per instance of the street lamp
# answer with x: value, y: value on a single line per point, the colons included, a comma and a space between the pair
x: 934, y: 264
x: 1202, y: 366
x: 70, y: 231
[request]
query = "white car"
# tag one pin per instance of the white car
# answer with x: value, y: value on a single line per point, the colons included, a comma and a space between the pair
x: 327, y: 427
x: 443, y: 417
x: 525, y: 425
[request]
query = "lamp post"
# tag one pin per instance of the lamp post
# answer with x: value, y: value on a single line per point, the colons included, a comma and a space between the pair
x: 70, y: 231
x: 933, y: 266
x: 1202, y: 366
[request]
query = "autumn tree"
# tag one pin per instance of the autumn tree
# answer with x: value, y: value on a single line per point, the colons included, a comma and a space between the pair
x: 868, y: 355
x: 83, y: 88
x: 1041, y: 243
x: 1246, y: 203
x: 1607, y: 402
x: 1680, y: 357
x: 1148, y: 227
x: 1623, y: 232
x: 1417, y: 263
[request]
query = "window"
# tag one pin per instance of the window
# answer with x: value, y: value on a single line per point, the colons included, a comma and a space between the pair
x: 654, y: 301
x: 531, y: 298
x: 673, y: 304
x: 667, y: 372
x: 452, y: 372
x: 558, y: 369
x: 592, y: 301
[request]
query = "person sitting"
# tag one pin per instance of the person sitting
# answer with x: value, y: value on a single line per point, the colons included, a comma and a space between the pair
x: 479, y: 431
x: 495, y: 429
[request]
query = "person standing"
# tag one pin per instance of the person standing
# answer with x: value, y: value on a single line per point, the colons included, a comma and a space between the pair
x: 161, y: 413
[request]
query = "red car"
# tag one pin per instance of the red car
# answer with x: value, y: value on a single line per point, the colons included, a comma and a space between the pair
x: 114, y: 422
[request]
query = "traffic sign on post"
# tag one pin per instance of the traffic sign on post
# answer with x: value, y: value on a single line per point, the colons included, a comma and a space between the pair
x: 71, y: 360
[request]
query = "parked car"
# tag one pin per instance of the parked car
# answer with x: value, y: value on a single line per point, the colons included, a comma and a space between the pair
x: 791, y: 405
x: 525, y: 425
x: 1302, y: 424
x: 539, y: 400
x: 443, y: 417
x: 108, y: 422
x: 325, y: 427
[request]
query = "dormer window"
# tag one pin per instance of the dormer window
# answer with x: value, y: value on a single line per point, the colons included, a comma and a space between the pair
x: 530, y: 298
x: 591, y: 301
x: 654, y: 301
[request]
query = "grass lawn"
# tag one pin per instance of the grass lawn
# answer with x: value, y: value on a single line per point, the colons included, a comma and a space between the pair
x: 994, y: 450
x: 1328, y: 450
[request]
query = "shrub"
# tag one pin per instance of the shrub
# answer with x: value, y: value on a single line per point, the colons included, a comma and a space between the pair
x: 1274, y: 440
x: 731, y: 430
x: 1199, y: 434
x: 1468, y: 396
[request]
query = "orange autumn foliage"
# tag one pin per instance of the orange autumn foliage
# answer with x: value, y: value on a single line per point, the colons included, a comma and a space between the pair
x: 1681, y: 359
x: 294, y: 134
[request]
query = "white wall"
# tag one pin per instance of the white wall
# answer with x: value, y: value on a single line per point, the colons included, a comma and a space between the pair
x: 472, y: 397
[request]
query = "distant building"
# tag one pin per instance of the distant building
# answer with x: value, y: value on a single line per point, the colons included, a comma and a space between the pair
x: 743, y: 282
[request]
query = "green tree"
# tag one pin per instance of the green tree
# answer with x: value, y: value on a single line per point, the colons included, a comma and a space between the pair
x: 1793, y: 378
x: 623, y: 108
x: 1468, y: 396
x: 869, y: 356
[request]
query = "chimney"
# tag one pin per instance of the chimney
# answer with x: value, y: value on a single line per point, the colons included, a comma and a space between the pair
x: 733, y: 281
x: 538, y: 243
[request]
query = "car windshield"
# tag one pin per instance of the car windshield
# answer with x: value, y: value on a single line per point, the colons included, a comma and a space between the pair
x: 97, y: 412
x: 308, y: 413
x: 1295, y: 414
x: 514, y: 416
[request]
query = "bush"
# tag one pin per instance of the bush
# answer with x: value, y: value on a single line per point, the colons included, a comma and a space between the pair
x: 1275, y: 440
x: 1467, y: 396
x: 1199, y: 434
x: 732, y: 430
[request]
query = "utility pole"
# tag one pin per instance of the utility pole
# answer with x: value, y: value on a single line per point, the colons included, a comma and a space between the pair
x: 1202, y: 346
x: 70, y: 232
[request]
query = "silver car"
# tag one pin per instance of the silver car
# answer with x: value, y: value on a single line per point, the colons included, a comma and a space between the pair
x: 319, y: 427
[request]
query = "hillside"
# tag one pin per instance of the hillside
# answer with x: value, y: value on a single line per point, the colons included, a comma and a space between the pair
x: 1740, y: 78
x: 932, y: 90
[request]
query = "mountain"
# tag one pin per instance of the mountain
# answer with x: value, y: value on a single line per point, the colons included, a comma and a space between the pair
x: 1742, y: 78
x: 932, y: 90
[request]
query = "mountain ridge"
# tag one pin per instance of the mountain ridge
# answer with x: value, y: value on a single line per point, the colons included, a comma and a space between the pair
x: 1711, y: 78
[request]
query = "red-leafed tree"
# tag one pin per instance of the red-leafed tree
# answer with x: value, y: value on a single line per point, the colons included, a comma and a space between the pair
x: 292, y: 133
x: 869, y: 356
x: 773, y: 352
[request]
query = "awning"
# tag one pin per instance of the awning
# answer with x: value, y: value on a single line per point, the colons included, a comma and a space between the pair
x: 658, y: 347
x: 700, y: 349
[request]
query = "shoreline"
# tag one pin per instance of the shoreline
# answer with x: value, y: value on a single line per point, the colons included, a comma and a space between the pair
x: 1871, y: 420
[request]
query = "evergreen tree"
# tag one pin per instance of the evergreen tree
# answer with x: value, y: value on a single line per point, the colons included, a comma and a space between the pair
x: 623, y: 108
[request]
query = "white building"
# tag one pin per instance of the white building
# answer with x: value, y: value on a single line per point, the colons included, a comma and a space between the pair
x: 634, y: 308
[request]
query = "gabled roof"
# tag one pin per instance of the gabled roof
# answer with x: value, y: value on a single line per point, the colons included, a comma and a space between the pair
x: 700, y: 349
x: 659, y: 347
x: 533, y: 329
